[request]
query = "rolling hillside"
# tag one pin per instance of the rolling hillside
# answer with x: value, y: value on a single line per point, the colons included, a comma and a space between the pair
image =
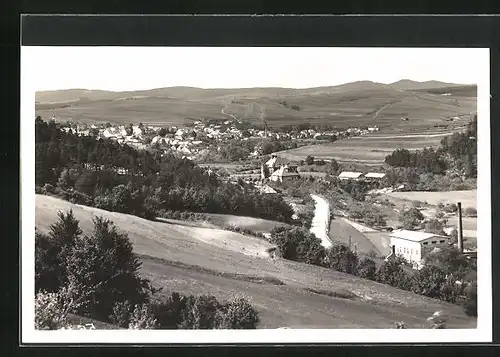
x: 203, y: 260
x: 351, y: 104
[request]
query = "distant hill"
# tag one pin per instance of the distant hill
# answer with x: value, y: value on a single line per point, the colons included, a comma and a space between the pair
x: 350, y: 104
x: 407, y: 84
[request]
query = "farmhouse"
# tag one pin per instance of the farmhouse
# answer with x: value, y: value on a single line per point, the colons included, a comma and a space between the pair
x: 275, y: 163
x: 284, y: 173
x: 348, y: 175
x: 414, y: 246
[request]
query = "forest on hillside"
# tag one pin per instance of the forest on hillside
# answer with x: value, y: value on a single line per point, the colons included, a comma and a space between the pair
x: 107, y: 175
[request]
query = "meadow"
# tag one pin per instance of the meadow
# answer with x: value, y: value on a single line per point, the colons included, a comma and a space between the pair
x: 369, y: 150
x: 354, y: 104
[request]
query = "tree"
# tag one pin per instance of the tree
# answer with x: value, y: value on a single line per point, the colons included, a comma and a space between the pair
x: 333, y: 167
x: 450, y: 260
x: 237, y: 314
x: 434, y: 226
x: 63, y: 233
x: 391, y: 273
x: 340, y: 258
x: 162, y: 132
x: 428, y: 281
x: 129, y: 129
x: 366, y: 269
x: 298, y: 244
x: 310, y: 160
x: 47, y: 268
x: 103, y: 270
x: 410, y: 218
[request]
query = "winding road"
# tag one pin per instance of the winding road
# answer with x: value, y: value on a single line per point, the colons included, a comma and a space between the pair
x: 321, y: 220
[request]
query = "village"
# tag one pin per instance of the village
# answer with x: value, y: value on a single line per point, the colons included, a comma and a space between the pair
x: 190, y: 140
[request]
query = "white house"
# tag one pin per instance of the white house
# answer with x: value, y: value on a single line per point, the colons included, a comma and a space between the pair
x: 284, y: 173
x: 348, y: 175
x: 415, y: 246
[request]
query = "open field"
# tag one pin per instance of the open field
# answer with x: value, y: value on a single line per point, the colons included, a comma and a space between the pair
x: 203, y: 260
x: 341, y: 231
x: 368, y: 150
x: 352, y: 104
x: 468, y: 198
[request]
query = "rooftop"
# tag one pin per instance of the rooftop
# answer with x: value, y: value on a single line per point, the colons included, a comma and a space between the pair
x: 375, y: 175
x: 349, y: 174
x: 413, y: 235
x: 276, y: 161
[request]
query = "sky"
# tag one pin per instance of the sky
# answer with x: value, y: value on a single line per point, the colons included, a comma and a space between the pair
x: 136, y: 68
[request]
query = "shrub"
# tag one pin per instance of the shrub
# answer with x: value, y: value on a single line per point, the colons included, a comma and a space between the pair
x: 366, y: 269
x: 237, y: 314
x: 470, y: 305
x: 142, y: 317
x: 428, y: 281
x: 450, y: 260
x: 120, y: 315
x: 411, y: 218
x: 392, y: 273
x: 298, y: 244
x: 340, y: 258
x: 49, y: 311
x: 470, y: 212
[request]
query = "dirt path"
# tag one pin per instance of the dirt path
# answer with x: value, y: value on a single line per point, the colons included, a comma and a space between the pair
x: 321, y: 220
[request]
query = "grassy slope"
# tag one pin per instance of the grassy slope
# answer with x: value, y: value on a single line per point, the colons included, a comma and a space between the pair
x: 345, y: 105
x: 290, y: 304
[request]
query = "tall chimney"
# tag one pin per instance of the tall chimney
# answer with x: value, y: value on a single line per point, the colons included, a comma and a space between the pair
x: 460, y: 229
x: 393, y: 250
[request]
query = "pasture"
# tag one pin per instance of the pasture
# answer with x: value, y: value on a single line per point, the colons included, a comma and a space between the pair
x: 368, y: 150
x: 195, y: 260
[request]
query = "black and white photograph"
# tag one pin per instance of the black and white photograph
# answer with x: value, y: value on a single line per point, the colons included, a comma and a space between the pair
x: 255, y: 194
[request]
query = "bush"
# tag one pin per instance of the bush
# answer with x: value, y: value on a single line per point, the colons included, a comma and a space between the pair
x: 450, y: 260
x: 204, y: 312
x: 49, y: 311
x: 120, y: 315
x: 470, y: 306
x: 411, y: 218
x: 434, y: 226
x: 366, y: 269
x: 237, y: 314
x: 470, y: 212
x: 142, y: 317
x: 298, y: 244
x: 428, y: 281
x: 340, y: 258
x: 391, y: 273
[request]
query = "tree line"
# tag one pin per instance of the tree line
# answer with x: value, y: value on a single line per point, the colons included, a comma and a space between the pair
x: 457, y: 152
x: 87, y: 171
